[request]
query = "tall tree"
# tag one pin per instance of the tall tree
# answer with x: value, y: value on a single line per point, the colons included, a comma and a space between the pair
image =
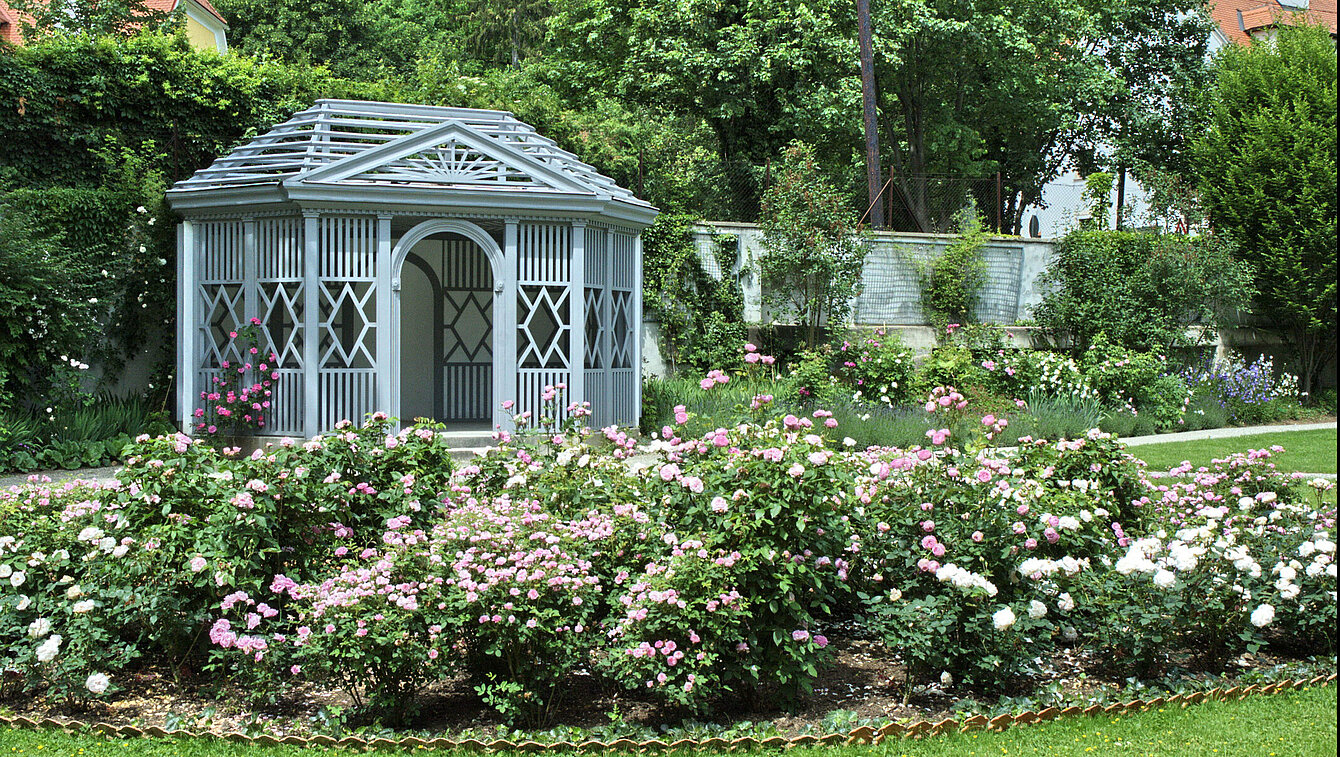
x: 507, y: 31
x: 760, y: 72
x: 869, y: 120
x: 351, y: 37
x: 1023, y: 87
x: 1267, y: 167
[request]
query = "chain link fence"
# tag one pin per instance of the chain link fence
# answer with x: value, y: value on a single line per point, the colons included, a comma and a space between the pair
x: 929, y: 203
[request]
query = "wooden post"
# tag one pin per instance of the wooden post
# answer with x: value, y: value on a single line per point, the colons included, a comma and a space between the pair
x: 577, y: 316
x: 311, y: 323
x: 1000, y: 205
x: 188, y: 326
x: 1121, y: 196
x: 250, y: 272
x: 606, y: 356
x: 504, y: 329
x: 387, y: 393
x: 636, y: 326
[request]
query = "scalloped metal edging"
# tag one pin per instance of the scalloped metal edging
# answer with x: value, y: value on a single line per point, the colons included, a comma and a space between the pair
x: 862, y: 735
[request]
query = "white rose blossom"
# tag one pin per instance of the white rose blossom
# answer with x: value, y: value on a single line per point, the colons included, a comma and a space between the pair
x: 97, y: 683
x: 1263, y: 616
x: 47, y: 651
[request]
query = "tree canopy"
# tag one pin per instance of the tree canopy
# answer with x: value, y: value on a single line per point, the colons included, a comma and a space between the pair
x: 1267, y: 167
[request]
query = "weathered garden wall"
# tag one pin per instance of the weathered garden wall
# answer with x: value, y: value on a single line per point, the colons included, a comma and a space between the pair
x: 890, y: 291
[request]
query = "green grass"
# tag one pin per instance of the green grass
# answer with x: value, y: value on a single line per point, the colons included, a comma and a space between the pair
x: 1307, y: 451
x: 1298, y: 724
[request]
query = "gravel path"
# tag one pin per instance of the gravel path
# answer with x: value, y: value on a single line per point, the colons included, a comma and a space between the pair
x: 639, y: 462
x: 101, y: 475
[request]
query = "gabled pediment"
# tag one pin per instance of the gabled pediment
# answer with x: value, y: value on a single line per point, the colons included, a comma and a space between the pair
x: 446, y: 154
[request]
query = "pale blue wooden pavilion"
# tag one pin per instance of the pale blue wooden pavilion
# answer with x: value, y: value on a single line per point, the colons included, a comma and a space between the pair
x: 423, y: 261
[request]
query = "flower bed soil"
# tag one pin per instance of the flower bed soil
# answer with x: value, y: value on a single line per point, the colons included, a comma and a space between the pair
x: 864, y: 679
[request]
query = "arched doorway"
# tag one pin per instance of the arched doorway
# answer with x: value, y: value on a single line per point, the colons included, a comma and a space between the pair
x: 445, y: 317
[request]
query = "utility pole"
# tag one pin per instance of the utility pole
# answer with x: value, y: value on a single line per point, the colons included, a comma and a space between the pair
x: 872, y: 172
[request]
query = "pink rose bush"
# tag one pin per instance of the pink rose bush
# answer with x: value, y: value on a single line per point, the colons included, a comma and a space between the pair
x: 239, y: 398
x: 706, y: 563
x: 186, y: 525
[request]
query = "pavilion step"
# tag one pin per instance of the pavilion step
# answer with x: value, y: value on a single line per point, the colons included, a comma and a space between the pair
x: 466, y: 453
x: 469, y: 439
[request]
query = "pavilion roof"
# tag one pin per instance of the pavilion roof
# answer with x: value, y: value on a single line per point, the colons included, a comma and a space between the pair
x: 353, y: 143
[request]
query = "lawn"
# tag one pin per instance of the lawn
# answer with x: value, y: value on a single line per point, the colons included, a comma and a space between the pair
x: 1299, y: 723
x: 1307, y: 451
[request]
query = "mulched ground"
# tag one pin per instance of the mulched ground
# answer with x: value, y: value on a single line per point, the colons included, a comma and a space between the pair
x: 865, y: 679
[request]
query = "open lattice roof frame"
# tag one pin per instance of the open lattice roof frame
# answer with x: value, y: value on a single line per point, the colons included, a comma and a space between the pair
x: 358, y: 144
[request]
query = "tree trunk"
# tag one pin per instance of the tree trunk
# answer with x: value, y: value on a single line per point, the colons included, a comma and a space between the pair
x: 872, y: 170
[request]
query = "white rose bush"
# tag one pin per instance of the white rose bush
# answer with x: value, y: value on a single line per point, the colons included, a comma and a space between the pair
x: 719, y: 566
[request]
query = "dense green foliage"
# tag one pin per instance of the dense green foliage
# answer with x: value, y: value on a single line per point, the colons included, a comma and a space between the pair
x: 1267, y: 166
x: 701, y: 317
x: 1144, y: 291
x: 97, y: 17
x: 952, y: 282
x: 812, y: 260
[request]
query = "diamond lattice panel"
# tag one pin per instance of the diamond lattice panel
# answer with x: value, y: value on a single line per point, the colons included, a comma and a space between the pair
x: 542, y: 327
x: 468, y: 331
x: 223, y: 308
x: 281, y: 310
x: 348, y: 328
x: 622, y: 356
x: 595, y: 327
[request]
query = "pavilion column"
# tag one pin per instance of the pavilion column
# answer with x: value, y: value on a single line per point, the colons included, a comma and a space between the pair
x: 188, y: 328
x: 504, y: 328
x: 250, y: 272
x: 311, y: 323
x: 577, y: 317
x: 388, y: 394
x: 636, y: 326
x: 606, y: 304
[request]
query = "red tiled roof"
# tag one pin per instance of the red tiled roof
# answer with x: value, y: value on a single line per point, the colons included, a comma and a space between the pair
x: 1238, y: 18
x: 10, y: 18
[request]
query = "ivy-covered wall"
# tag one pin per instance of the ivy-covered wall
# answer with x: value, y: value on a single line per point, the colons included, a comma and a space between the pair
x: 92, y: 131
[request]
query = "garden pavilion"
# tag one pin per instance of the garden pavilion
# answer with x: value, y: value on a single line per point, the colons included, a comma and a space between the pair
x: 424, y: 261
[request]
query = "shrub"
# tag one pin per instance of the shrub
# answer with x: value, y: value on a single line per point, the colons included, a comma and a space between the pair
x: 238, y: 401
x: 772, y: 494
x: 186, y: 525
x: 969, y: 551
x: 45, y: 302
x: 814, y: 258
x: 1120, y: 375
x: 1143, y: 290
x: 1220, y: 564
x: 677, y: 626
x: 952, y: 282
x: 360, y: 560
x: 876, y: 367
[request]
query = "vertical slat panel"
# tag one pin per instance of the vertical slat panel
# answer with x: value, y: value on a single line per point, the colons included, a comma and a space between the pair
x: 281, y: 307
x: 348, y: 328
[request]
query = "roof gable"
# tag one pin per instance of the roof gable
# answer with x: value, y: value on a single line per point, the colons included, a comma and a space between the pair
x: 448, y: 154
